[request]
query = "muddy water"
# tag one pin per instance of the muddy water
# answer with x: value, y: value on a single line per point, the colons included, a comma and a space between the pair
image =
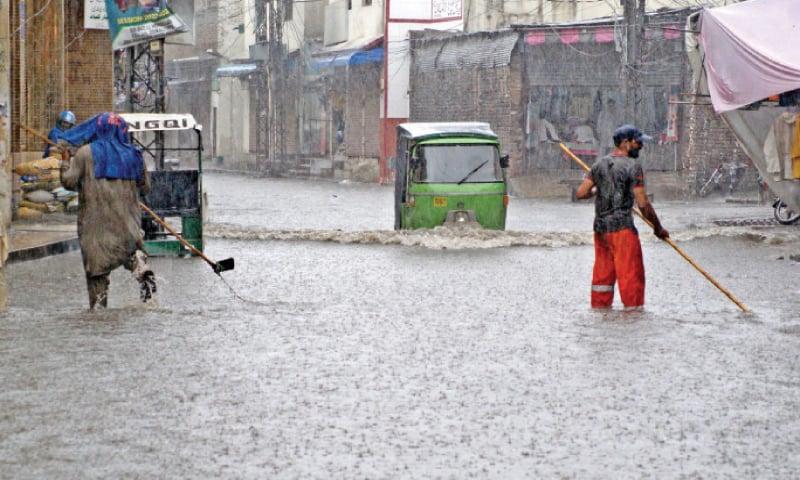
x: 392, y: 359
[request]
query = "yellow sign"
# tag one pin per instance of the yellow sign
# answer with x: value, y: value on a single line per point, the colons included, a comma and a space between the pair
x: 440, y: 202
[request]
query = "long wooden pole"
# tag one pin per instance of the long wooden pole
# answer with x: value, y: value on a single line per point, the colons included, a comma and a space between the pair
x: 669, y: 241
x: 175, y: 234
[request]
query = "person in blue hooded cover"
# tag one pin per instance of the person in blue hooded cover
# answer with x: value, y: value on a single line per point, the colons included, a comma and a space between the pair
x: 110, y: 175
x: 66, y: 120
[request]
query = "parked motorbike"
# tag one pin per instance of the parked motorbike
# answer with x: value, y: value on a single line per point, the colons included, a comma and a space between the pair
x: 783, y: 214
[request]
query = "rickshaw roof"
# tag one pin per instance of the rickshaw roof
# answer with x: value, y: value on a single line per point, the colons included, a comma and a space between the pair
x: 153, y: 122
x: 422, y: 130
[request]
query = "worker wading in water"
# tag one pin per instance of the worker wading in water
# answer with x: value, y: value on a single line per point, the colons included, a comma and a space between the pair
x: 109, y: 173
x: 618, y: 182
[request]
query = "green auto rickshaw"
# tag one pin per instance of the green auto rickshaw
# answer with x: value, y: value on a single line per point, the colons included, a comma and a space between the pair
x: 449, y: 173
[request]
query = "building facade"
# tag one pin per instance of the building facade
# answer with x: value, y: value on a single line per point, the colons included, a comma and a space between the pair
x: 56, y: 64
x: 538, y: 86
x: 486, y: 15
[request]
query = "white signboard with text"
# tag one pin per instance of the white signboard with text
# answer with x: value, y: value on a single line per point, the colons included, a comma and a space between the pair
x: 94, y: 15
x: 425, y: 10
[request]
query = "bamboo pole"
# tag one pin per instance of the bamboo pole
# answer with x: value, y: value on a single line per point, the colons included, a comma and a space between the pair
x: 669, y: 242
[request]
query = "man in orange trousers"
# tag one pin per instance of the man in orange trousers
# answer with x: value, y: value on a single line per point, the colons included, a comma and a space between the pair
x: 618, y: 182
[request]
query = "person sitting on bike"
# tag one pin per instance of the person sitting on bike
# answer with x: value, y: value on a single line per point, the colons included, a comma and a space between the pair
x: 66, y: 120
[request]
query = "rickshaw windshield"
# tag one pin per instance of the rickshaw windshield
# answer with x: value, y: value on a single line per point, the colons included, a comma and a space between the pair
x: 472, y: 163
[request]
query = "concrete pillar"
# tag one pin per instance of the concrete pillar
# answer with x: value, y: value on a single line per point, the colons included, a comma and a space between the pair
x: 5, y: 130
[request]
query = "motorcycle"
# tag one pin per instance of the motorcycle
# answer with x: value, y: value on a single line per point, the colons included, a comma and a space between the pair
x: 783, y: 214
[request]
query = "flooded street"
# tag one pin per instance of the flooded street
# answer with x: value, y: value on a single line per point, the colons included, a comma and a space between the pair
x: 370, y: 354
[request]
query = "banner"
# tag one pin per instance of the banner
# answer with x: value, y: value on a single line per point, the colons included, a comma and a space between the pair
x: 94, y: 15
x: 137, y: 21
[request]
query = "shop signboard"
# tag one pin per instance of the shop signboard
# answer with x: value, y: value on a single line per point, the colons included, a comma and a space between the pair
x: 132, y: 22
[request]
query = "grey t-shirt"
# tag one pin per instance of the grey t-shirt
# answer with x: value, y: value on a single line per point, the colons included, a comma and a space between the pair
x: 615, y: 178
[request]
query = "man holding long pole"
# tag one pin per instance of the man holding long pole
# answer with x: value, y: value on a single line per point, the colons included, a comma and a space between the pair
x: 618, y: 182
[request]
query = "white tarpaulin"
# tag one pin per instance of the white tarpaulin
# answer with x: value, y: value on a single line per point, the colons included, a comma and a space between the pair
x: 752, y: 128
x: 751, y: 51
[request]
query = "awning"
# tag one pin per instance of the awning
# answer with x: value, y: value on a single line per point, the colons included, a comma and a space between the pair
x: 339, y: 59
x: 343, y: 59
x: 236, y: 69
x: 355, y: 52
x: 367, y: 56
x: 482, y: 50
x: 751, y: 51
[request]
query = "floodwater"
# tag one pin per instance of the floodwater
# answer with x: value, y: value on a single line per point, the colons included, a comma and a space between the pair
x: 367, y: 355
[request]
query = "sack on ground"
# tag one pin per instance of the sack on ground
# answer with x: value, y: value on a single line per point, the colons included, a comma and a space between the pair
x: 32, y: 186
x: 39, y: 196
x: 38, y: 167
x: 42, y: 207
x: 24, y: 213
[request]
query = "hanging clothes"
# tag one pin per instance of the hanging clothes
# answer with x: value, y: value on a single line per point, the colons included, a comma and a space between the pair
x: 778, y: 146
x: 796, y: 151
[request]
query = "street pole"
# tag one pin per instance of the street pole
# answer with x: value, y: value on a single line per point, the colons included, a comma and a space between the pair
x: 5, y: 124
x: 262, y: 98
x: 22, y: 113
x: 633, y: 17
x: 276, y: 79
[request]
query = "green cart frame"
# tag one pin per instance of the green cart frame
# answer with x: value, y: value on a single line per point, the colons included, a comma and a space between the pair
x: 176, y: 195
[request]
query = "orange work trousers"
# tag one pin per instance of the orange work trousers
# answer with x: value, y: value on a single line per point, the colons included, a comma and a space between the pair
x: 618, y: 259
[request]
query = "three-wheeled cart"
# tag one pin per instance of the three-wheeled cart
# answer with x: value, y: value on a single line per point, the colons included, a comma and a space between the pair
x: 176, y: 194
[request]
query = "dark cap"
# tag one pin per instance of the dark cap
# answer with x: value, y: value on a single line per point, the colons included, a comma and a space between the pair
x: 629, y: 132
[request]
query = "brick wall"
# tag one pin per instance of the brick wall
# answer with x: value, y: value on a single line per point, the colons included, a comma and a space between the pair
x: 41, y: 95
x: 492, y: 95
x: 709, y: 141
x: 580, y: 85
x: 290, y: 98
x: 90, y: 66
x: 362, y: 111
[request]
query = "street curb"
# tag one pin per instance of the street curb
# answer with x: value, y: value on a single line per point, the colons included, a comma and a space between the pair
x: 42, y: 251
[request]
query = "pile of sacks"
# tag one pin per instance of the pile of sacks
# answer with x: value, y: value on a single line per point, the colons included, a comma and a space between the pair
x: 42, y: 192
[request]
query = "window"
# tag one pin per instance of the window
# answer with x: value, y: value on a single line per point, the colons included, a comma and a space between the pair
x: 366, y: 3
x: 473, y: 163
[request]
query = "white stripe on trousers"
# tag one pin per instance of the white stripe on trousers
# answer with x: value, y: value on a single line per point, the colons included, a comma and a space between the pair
x: 602, y: 288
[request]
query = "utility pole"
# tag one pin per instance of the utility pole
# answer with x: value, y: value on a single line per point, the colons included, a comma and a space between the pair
x: 633, y: 17
x: 276, y: 84
x: 5, y: 120
x: 262, y: 88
